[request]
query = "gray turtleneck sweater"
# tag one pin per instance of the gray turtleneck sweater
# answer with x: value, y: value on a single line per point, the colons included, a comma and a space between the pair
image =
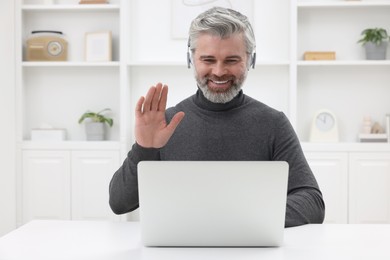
x: 243, y: 129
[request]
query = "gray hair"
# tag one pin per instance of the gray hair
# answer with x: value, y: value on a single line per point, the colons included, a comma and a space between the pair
x: 222, y: 22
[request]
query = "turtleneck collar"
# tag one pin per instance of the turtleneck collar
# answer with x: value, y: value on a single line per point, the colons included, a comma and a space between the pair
x: 201, y: 101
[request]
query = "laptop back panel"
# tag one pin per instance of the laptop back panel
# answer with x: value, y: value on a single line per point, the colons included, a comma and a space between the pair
x: 205, y: 203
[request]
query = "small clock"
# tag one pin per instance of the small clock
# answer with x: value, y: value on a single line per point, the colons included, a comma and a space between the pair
x: 324, y: 127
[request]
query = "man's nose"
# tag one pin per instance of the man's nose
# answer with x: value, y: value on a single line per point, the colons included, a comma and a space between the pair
x: 219, y: 69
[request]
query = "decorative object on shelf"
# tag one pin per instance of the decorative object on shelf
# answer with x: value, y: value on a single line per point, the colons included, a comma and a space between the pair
x: 377, y: 129
x: 183, y: 11
x: 375, y: 41
x: 372, y: 132
x: 93, y: 2
x: 46, y: 46
x: 98, y: 46
x: 324, y: 127
x: 367, y: 123
x: 319, y: 55
x: 48, y: 133
x: 95, y: 129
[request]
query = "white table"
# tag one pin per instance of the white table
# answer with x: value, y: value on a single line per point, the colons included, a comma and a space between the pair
x: 57, y: 240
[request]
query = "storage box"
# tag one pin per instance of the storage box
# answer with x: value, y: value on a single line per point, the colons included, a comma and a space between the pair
x: 319, y: 55
x: 48, y: 134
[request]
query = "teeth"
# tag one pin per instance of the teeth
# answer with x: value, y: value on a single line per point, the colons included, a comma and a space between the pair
x: 220, y: 82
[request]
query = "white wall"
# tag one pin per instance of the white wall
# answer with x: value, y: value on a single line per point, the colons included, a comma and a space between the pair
x: 7, y: 120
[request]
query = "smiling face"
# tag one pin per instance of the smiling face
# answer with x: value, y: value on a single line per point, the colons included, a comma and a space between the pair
x: 221, y: 66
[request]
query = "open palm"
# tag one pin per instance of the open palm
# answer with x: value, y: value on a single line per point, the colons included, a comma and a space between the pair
x: 151, y: 128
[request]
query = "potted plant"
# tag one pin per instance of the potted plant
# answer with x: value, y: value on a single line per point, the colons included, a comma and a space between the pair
x: 375, y: 41
x: 95, y: 126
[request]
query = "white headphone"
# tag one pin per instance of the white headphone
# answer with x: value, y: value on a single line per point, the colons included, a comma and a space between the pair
x: 189, y: 61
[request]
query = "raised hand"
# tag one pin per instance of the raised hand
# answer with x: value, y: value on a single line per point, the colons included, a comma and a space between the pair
x: 151, y: 128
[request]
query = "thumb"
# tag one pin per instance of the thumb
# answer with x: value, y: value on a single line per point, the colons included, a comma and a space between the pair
x: 175, y: 121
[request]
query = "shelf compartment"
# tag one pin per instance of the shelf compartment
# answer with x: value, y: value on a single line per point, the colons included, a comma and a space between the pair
x: 46, y: 19
x: 58, y: 96
x: 316, y: 32
x: 338, y: 89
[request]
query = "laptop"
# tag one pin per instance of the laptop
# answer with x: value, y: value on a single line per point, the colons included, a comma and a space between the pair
x: 212, y: 203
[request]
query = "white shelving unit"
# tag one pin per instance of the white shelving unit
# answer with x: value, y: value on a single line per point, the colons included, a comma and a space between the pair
x: 144, y: 53
x: 57, y: 94
x: 351, y: 87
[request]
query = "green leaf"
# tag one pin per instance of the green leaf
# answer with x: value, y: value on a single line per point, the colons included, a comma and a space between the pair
x: 374, y: 35
x: 97, y: 117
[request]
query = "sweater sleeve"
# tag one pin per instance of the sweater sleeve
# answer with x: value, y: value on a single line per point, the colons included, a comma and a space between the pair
x: 123, y: 188
x: 304, y: 199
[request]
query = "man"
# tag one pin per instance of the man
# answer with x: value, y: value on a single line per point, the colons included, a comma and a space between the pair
x: 219, y: 122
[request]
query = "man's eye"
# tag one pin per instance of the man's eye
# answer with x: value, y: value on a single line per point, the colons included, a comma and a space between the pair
x: 208, y: 60
x: 231, y: 61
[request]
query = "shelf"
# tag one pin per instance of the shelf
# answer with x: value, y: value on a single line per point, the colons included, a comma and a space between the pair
x: 181, y: 63
x: 345, y: 147
x: 272, y: 63
x: 71, y: 145
x: 114, y: 145
x: 343, y: 4
x: 345, y: 63
x: 72, y: 8
x: 69, y: 64
x: 156, y: 63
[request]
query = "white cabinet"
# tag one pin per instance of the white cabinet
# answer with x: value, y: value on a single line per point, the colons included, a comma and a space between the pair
x: 331, y: 172
x: 91, y: 174
x: 46, y: 185
x: 369, y: 188
x: 354, y: 180
x: 67, y: 184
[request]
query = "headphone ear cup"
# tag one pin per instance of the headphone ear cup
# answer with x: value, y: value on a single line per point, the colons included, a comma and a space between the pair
x: 253, y: 60
x: 188, y: 60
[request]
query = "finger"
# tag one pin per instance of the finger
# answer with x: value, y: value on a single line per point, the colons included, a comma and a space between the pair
x: 175, y: 121
x: 138, y: 107
x: 148, y: 99
x: 156, y: 97
x: 163, y: 99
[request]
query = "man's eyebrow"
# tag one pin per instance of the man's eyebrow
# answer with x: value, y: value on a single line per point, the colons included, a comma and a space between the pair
x: 207, y: 57
x: 234, y: 57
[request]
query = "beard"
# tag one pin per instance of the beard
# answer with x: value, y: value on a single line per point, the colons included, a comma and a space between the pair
x: 220, y: 95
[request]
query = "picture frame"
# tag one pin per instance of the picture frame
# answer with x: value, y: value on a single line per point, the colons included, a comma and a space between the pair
x: 98, y: 46
x: 184, y: 11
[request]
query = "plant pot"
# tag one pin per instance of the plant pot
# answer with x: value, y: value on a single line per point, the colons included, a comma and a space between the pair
x: 375, y: 51
x: 95, y: 131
